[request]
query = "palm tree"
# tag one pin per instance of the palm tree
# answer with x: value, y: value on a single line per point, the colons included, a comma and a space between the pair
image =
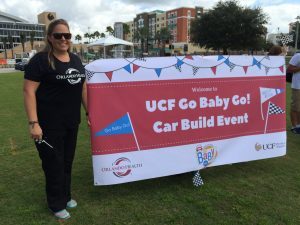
x: 23, y: 40
x: 87, y: 35
x: 32, y: 36
x: 4, y: 40
x: 142, y: 35
x: 110, y: 30
x: 11, y: 45
x: 78, y: 38
x: 126, y: 30
x: 102, y: 35
x: 97, y: 34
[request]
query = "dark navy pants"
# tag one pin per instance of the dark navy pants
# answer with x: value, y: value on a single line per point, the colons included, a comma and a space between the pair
x: 57, y: 165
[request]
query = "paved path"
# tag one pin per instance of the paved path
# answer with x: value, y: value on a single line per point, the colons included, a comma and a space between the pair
x: 8, y: 70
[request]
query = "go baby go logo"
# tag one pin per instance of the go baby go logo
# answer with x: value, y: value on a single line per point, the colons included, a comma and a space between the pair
x: 206, y: 154
x: 122, y: 167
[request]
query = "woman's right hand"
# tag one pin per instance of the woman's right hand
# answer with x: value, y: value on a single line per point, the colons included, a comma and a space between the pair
x: 36, y: 131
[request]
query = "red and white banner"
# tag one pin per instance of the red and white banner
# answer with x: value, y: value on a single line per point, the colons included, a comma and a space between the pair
x: 155, y: 117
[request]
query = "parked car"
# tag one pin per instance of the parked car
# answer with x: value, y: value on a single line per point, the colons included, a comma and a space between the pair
x: 20, y: 66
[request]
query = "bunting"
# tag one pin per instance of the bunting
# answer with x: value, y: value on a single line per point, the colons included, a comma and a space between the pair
x: 195, y: 69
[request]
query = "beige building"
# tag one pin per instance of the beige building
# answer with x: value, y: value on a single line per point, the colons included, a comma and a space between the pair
x: 46, y: 18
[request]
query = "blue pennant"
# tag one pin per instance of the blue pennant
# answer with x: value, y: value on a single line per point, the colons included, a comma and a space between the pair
x: 227, y: 62
x: 179, y: 62
x: 255, y: 62
x: 127, y: 68
x: 158, y: 71
x: 119, y: 126
x: 220, y: 57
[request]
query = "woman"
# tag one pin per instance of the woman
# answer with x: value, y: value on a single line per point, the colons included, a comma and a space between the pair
x: 54, y: 88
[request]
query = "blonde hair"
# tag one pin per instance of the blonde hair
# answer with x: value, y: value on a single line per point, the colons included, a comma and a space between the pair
x: 49, y: 48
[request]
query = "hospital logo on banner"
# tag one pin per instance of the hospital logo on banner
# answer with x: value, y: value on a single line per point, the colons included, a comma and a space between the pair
x: 122, y: 167
x: 206, y: 154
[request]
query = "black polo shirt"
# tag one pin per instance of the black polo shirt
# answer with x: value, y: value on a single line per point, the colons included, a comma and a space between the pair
x: 60, y: 91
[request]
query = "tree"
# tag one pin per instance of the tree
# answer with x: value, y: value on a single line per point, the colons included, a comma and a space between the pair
x: 11, y: 45
x: 4, y: 41
x: 229, y: 26
x: 32, y: 36
x: 78, y: 38
x: 293, y: 32
x: 102, y: 35
x: 164, y: 36
x: 110, y: 30
x: 23, y: 40
x: 97, y: 34
x: 126, y: 30
x: 142, y: 35
x: 87, y: 35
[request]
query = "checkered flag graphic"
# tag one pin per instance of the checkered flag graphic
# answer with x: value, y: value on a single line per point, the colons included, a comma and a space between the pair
x: 178, y: 67
x: 142, y: 58
x: 195, y: 70
x: 231, y: 66
x: 274, y: 109
x: 285, y: 39
x: 267, y: 69
x: 89, y: 74
x: 197, y: 180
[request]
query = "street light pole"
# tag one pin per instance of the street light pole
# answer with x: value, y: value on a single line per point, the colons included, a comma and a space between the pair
x: 297, y: 32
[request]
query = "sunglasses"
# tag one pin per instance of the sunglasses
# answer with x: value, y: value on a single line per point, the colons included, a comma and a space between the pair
x: 59, y: 36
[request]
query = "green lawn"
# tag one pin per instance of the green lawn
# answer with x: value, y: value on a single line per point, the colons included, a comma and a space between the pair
x: 258, y: 192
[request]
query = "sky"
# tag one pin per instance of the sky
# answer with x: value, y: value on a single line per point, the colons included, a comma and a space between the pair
x: 95, y: 15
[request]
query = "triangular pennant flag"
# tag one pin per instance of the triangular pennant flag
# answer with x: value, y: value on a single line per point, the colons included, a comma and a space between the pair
x: 230, y: 64
x: 179, y: 62
x: 267, y: 93
x: 119, y: 126
x: 109, y: 75
x: 158, y: 71
x: 89, y: 74
x: 178, y: 67
x: 197, y: 180
x: 135, y: 67
x: 189, y: 57
x: 195, y: 70
x: 257, y: 63
x: 267, y: 69
x: 245, y: 69
x: 274, y: 109
x: 220, y: 57
x: 214, y: 69
x: 281, y: 69
x: 127, y: 68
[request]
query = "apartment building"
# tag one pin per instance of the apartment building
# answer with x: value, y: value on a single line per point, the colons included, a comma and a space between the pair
x: 179, y: 23
x: 13, y: 26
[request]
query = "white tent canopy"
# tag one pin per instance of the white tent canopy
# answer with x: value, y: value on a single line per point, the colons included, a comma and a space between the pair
x: 109, y: 40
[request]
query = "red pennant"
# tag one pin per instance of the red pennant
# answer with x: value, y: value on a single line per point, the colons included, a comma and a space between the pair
x: 135, y: 68
x: 214, y: 69
x: 281, y: 69
x: 245, y: 69
x: 189, y: 57
x: 109, y: 75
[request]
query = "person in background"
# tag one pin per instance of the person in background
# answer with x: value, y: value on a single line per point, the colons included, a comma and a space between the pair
x: 294, y: 67
x: 275, y: 50
x: 54, y: 89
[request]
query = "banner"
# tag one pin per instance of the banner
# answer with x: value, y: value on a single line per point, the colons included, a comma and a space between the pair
x: 154, y: 117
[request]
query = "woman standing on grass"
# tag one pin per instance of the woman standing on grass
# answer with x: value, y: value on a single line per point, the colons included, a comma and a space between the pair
x: 54, y: 88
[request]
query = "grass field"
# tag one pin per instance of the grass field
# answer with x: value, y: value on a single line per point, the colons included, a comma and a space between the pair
x: 264, y: 192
